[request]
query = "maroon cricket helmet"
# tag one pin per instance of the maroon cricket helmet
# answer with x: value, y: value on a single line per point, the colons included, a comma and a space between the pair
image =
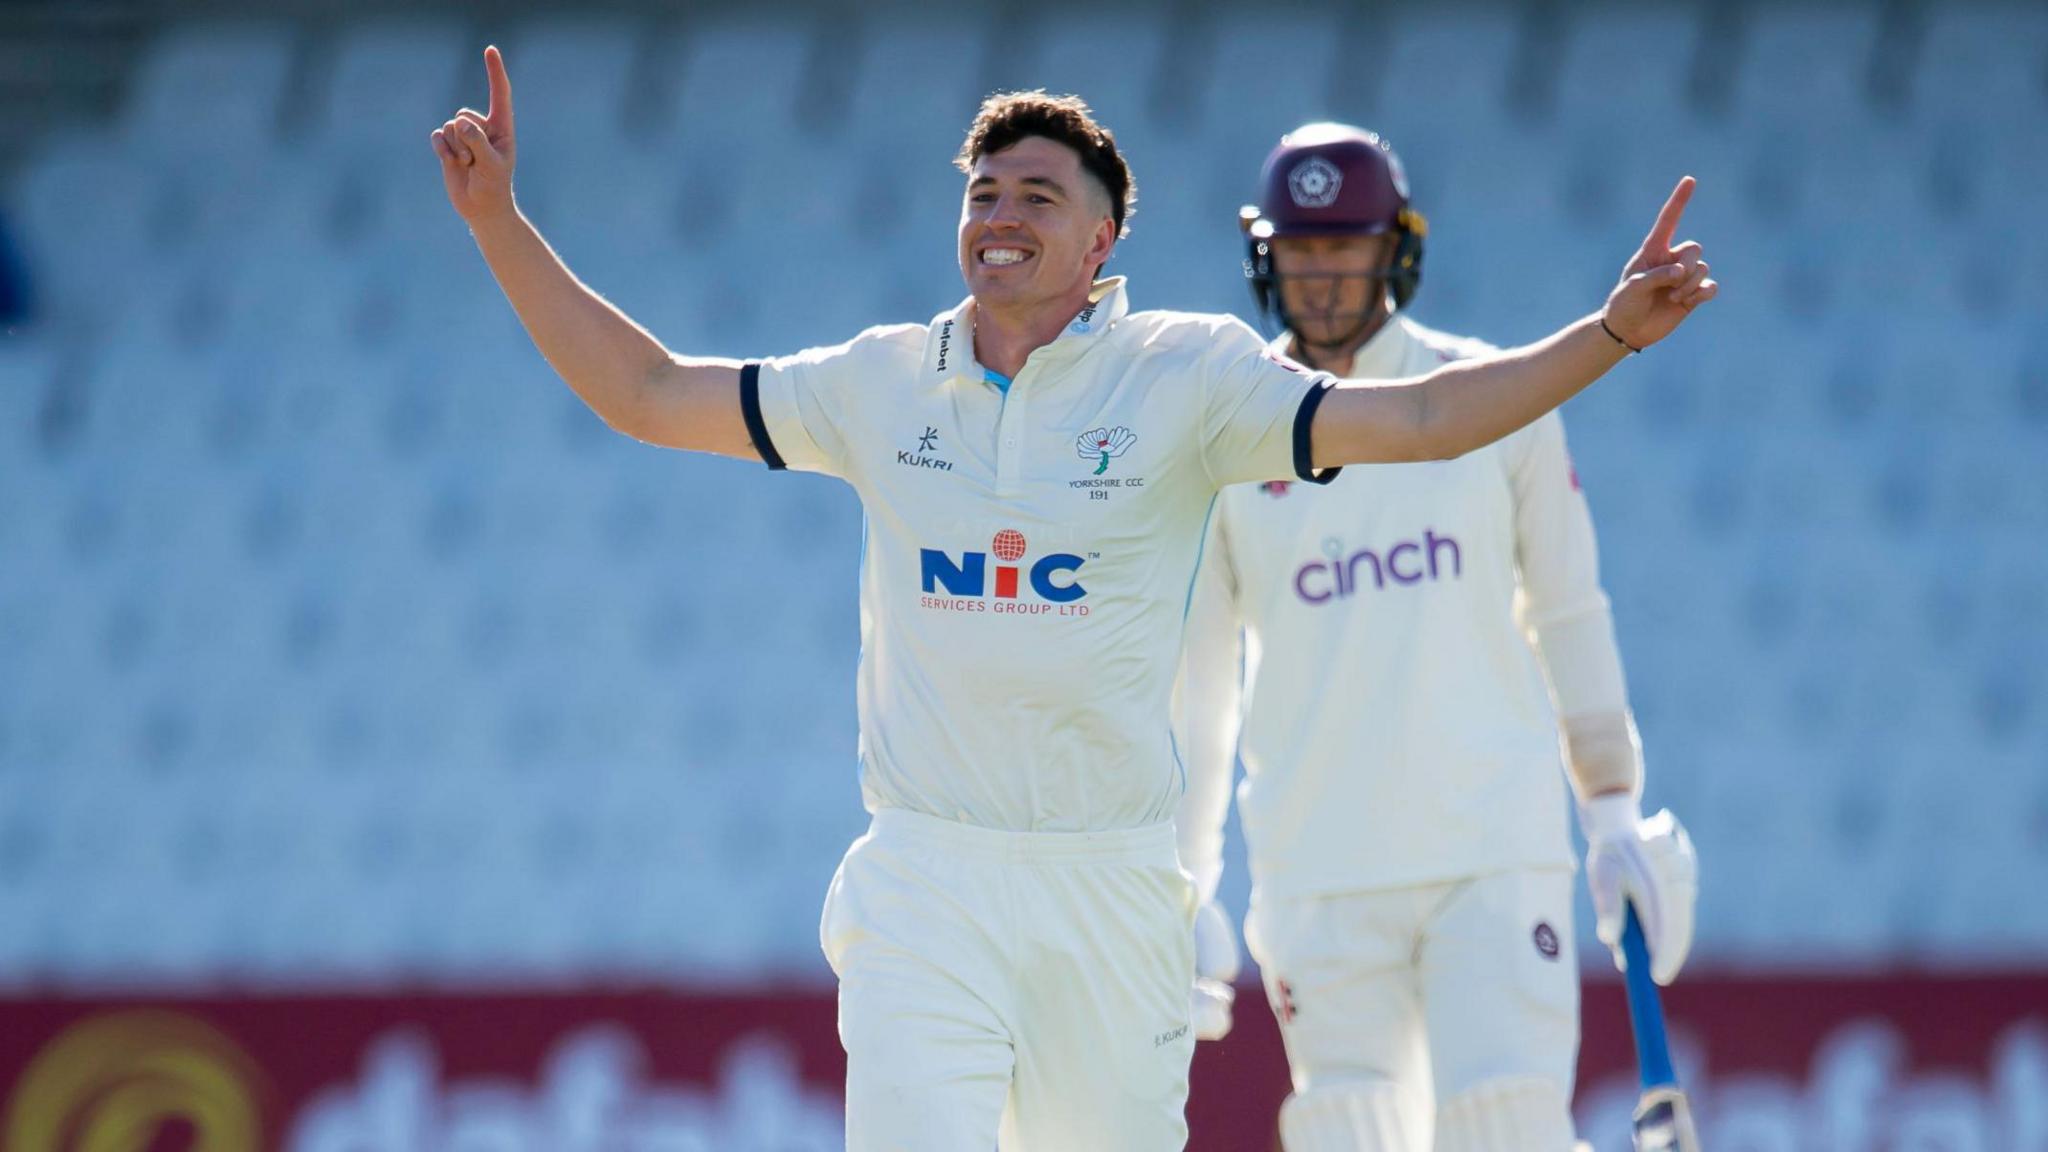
x: 1329, y: 179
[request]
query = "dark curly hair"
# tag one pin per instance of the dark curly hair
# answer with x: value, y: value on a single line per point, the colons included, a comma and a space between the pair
x: 1008, y: 117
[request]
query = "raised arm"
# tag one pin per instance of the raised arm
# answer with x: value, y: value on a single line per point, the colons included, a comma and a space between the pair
x: 626, y: 376
x: 1466, y: 405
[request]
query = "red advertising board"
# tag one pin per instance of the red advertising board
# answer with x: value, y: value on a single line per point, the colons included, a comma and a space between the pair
x: 1876, y: 1065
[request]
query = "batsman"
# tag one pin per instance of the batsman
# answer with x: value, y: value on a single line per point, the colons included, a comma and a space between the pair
x: 1399, y: 658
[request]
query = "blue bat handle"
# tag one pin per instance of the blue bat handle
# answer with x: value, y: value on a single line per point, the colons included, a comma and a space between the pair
x: 1645, y: 1010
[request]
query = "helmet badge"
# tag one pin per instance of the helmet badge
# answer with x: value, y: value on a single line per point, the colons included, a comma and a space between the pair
x: 1314, y: 183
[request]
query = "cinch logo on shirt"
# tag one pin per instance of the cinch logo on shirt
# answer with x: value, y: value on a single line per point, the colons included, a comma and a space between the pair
x: 1407, y: 562
x: 1050, y: 577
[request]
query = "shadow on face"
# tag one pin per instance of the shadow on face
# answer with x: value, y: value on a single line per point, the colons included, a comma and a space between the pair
x: 1329, y: 285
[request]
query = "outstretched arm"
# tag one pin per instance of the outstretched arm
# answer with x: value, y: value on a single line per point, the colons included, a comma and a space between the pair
x: 1472, y: 403
x: 626, y: 376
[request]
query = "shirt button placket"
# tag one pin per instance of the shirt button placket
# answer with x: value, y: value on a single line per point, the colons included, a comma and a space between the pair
x: 1009, y: 435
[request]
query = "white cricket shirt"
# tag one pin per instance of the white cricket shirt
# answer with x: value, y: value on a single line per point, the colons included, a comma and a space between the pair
x: 1030, y: 551
x: 1397, y: 726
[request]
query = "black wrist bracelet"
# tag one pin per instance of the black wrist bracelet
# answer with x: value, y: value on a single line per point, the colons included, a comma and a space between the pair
x: 1617, y: 336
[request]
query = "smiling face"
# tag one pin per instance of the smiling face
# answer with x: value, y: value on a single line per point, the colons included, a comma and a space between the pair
x: 1035, y: 227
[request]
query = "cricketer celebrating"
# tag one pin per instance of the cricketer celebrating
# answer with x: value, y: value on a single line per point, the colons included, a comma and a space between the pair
x: 1402, y: 806
x: 1012, y: 935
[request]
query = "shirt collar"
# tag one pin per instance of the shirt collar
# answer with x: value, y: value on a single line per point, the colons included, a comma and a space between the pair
x: 1107, y: 303
x: 1379, y: 358
x: 949, y: 343
x: 1382, y: 356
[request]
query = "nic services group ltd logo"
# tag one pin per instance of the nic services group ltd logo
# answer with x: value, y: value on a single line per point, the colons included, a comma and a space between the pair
x: 971, y: 583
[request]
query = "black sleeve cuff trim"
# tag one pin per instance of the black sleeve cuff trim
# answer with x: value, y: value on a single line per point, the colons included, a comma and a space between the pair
x: 757, y: 428
x: 1304, y: 418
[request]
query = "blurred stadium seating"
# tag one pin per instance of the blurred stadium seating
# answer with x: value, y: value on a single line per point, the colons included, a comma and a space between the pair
x: 341, y: 643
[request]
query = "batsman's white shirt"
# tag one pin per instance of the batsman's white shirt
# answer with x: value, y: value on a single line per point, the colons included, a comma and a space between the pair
x: 1029, y: 551
x: 1397, y: 727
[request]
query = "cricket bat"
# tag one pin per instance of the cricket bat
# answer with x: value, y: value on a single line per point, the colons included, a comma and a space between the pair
x: 1663, y: 1115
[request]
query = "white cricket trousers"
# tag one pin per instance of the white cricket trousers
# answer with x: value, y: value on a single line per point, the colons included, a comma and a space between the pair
x: 1435, y: 990
x: 1021, y: 990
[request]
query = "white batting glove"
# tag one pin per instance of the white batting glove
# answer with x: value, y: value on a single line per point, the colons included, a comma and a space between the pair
x: 1649, y: 863
x: 1216, y: 967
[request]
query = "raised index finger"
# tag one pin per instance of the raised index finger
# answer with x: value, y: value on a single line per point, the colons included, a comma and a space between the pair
x: 500, y: 114
x: 1659, y: 239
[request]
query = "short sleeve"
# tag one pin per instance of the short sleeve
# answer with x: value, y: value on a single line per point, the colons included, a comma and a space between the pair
x: 1257, y: 411
x: 797, y: 408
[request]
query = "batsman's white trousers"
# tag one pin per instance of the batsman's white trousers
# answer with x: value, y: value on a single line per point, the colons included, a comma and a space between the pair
x: 1444, y: 987
x: 1022, y: 990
